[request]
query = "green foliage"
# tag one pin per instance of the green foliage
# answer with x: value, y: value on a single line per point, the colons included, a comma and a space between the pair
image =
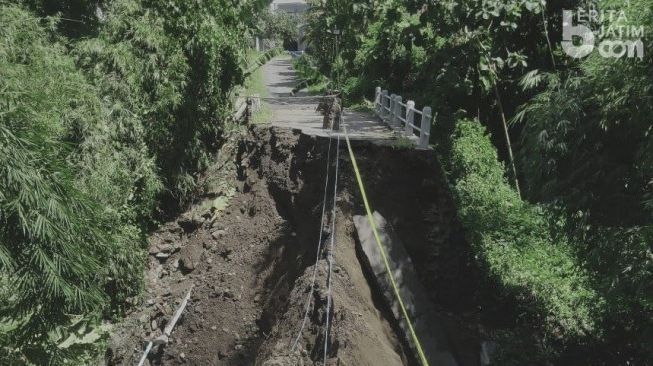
x: 280, y: 27
x: 255, y: 83
x: 260, y: 58
x: 95, y: 131
x: 53, y: 246
x: 587, y: 148
x: 514, y: 241
x: 311, y: 78
x: 171, y: 68
x: 586, y: 144
x: 141, y: 75
x: 623, y: 258
x: 584, y: 139
x: 449, y: 53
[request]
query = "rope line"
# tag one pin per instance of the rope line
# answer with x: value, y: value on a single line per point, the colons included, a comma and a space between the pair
x: 145, y: 353
x: 317, y: 256
x: 330, y: 252
x: 395, y: 288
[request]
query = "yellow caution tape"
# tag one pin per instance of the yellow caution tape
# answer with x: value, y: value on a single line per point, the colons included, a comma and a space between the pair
x: 413, y: 335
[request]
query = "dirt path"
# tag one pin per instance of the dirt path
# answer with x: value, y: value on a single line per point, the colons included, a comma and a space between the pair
x: 300, y: 113
x: 280, y: 78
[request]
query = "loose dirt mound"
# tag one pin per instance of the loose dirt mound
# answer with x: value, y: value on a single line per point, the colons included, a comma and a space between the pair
x: 251, y: 262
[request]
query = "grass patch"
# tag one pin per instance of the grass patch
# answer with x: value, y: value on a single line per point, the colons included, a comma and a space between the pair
x: 403, y: 143
x: 365, y: 106
x: 255, y: 86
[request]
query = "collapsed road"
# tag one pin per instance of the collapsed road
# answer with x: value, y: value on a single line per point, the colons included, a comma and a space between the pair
x: 248, y: 249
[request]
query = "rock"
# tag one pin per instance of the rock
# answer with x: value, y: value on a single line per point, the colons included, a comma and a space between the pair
x: 175, y: 229
x: 218, y: 234
x: 226, y: 254
x: 214, y: 328
x: 143, y: 318
x: 165, y: 247
x: 238, y: 347
x: 162, y: 255
x: 162, y: 339
x: 190, y: 222
x: 182, y: 355
x: 221, y: 355
x: 189, y: 257
x: 154, y: 324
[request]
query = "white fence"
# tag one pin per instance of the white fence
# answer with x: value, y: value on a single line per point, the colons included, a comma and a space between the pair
x: 402, y: 115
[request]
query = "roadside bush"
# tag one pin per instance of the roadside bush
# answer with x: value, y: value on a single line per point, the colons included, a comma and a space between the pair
x: 68, y: 247
x: 515, y: 241
x: 310, y: 76
x: 96, y: 130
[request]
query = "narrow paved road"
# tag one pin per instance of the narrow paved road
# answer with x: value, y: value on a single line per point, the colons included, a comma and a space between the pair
x: 300, y: 111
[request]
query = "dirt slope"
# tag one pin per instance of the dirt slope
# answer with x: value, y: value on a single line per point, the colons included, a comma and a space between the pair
x: 251, y: 262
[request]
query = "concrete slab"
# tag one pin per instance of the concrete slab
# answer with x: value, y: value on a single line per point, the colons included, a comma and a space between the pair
x: 426, y: 322
x: 299, y: 111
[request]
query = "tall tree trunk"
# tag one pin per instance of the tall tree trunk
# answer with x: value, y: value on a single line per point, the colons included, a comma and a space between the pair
x: 507, y: 136
x: 545, y: 22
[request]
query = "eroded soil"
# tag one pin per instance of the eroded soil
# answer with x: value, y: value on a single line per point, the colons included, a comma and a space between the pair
x: 250, y: 263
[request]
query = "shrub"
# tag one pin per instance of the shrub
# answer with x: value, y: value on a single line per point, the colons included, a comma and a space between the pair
x: 515, y: 243
x: 56, y: 256
x: 92, y: 130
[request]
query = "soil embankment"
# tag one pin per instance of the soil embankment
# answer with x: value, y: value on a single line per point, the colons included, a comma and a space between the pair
x: 250, y: 259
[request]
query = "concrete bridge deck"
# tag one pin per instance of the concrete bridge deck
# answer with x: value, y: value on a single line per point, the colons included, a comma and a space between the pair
x: 300, y: 113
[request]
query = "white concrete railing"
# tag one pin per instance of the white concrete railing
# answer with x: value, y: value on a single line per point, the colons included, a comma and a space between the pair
x: 397, y: 114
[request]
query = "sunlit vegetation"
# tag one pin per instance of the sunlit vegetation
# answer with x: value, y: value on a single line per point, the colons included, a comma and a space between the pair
x: 550, y: 158
x: 108, y: 113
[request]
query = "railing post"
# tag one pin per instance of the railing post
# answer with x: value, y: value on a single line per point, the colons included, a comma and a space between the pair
x: 426, y: 128
x: 384, y: 97
x: 377, y: 98
x: 248, y: 110
x: 410, y: 118
x: 397, y: 111
x: 392, y: 108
